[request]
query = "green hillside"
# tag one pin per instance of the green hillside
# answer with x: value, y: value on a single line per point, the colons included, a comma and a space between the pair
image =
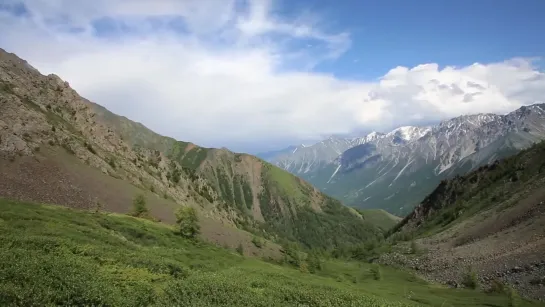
x: 52, y: 255
x: 379, y: 218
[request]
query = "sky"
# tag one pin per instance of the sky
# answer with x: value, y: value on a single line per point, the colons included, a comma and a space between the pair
x: 259, y: 75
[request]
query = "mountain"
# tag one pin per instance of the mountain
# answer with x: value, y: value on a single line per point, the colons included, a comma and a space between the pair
x: 491, y: 220
x: 394, y: 171
x: 305, y: 159
x: 58, y: 147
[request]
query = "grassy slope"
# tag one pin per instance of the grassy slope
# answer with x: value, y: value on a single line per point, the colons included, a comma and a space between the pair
x: 380, y: 218
x: 51, y: 255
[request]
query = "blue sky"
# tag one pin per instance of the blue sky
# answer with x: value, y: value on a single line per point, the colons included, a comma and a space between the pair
x: 407, y: 33
x: 255, y: 75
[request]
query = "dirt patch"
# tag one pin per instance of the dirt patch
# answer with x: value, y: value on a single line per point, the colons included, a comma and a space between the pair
x: 189, y: 147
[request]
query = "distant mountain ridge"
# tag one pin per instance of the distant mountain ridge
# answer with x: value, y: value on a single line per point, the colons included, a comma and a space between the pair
x: 395, y: 170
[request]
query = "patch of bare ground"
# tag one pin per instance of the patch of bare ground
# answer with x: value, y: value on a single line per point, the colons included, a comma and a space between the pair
x: 56, y: 177
x: 253, y: 168
x: 506, y: 243
x: 189, y: 147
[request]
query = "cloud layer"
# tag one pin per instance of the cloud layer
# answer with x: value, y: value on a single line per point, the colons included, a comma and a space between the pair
x: 239, y: 74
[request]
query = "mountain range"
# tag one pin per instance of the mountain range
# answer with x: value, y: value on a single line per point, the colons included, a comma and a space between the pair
x: 395, y: 170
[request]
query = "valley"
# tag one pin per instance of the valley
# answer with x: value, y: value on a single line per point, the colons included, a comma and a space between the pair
x: 73, y: 173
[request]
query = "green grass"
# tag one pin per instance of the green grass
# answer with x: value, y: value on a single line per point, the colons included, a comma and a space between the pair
x: 51, y: 255
x: 287, y: 182
x: 192, y: 159
x: 380, y: 218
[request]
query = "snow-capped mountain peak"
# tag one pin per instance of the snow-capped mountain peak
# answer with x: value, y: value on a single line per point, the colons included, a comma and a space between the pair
x: 368, y: 138
x: 409, y: 133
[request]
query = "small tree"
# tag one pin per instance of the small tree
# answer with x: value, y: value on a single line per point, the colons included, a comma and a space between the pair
x: 139, y: 208
x: 470, y: 279
x: 314, y: 262
x: 188, y: 222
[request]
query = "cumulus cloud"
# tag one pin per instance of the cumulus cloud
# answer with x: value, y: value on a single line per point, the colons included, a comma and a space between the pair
x: 238, y: 73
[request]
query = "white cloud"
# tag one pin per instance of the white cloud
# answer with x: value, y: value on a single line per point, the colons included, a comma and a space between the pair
x: 232, y: 76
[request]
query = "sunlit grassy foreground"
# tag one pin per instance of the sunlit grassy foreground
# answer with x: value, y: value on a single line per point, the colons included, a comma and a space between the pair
x: 51, y: 255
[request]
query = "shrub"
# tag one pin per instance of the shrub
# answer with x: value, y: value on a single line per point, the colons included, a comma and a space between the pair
x: 98, y: 207
x: 90, y: 148
x: 314, y: 263
x: 258, y: 242
x: 496, y: 286
x: 139, y: 208
x: 188, y: 222
x: 376, y: 272
x: 512, y: 297
x: 291, y: 254
x: 303, y: 267
x: 240, y: 249
x: 470, y: 279
x: 111, y: 162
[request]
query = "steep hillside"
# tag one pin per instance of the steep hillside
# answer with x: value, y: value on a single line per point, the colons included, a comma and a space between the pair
x: 492, y: 219
x: 43, y: 118
x: 394, y: 171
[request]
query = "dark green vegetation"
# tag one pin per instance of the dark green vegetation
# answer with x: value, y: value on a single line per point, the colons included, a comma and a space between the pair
x: 458, y: 198
x: 51, y: 255
x: 333, y: 227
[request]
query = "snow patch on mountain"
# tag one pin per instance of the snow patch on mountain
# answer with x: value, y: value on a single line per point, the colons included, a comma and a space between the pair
x: 409, y: 133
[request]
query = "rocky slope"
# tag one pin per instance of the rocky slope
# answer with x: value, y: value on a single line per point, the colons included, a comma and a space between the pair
x: 492, y: 220
x: 394, y: 171
x: 41, y: 116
